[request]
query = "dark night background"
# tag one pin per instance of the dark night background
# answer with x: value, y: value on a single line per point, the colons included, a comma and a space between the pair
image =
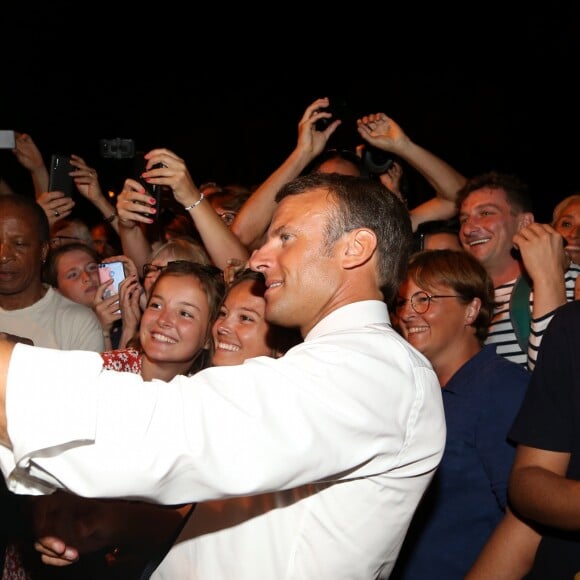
x: 484, y: 89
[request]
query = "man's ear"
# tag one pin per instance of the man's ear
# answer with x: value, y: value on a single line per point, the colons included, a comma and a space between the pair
x: 525, y: 219
x: 360, y: 246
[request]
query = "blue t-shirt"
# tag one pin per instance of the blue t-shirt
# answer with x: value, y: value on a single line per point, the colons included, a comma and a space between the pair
x: 468, y: 495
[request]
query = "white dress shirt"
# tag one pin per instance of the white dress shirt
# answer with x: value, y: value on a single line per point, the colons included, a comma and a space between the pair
x: 328, y: 449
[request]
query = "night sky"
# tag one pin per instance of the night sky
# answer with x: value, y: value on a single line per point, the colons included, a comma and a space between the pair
x: 492, y: 90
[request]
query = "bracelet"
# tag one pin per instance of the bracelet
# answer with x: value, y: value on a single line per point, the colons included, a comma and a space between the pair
x: 111, y: 217
x: 202, y: 197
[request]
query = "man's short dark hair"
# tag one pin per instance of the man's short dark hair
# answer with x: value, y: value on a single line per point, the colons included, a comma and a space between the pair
x: 26, y: 203
x: 517, y: 192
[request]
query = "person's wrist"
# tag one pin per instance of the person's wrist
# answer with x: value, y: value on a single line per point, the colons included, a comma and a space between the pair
x: 127, y: 224
x: 194, y: 204
x: 110, y: 218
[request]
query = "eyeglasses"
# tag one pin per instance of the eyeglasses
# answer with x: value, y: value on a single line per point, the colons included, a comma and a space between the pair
x: 420, y: 301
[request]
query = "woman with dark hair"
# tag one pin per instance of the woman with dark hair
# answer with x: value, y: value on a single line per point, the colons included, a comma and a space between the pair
x: 175, y: 329
x: 241, y: 330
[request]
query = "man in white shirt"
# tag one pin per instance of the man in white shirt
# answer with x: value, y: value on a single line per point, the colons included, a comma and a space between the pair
x: 324, y: 453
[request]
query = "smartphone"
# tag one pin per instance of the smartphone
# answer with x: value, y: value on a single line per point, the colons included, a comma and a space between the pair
x: 59, y: 178
x: 338, y: 108
x: 114, y: 271
x: 151, y: 189
x: 7, y: 140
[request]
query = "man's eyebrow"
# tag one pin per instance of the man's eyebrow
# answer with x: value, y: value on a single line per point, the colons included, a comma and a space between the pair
x: 483, y: 205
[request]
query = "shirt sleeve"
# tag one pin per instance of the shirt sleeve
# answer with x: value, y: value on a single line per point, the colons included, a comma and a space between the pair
x: 264, y: 425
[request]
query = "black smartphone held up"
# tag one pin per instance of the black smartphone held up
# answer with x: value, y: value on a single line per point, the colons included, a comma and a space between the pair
x: 338, y: 108
x: 114, y: 271
x: 151, y: 189
x: 59, y: 179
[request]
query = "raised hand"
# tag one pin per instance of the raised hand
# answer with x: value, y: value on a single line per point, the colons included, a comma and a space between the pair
x: 382, y: 132
x: 56, y: 205
x: 86, y: 179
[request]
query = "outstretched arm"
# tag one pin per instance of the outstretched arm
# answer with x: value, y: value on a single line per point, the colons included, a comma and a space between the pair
x: 254, y: 217
x: 383, y: 133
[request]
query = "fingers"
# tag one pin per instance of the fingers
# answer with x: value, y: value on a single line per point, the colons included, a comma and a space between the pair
x: 55, y: 552
x: 134, y: 204
x: 311, y: 110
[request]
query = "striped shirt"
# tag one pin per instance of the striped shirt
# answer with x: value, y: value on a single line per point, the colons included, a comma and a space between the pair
x: 501, y: 330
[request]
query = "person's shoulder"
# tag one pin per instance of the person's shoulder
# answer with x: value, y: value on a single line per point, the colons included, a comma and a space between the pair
x: 567, y: 315
x: 67, y: 307
x: 503, y: 371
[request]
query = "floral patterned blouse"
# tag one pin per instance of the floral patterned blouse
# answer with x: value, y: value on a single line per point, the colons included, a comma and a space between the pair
x: 127, y: 360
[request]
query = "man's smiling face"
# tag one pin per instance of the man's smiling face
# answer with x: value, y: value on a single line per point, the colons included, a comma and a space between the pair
x: 488, y: 224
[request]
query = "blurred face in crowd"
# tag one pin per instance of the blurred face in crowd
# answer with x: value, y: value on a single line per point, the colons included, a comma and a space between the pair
x: 100, y: 236
x: 568, y: 226
x: 77, y: 276
x: 21, y: 258
x: 241, y: 330
x: 339, y: 165
x: 174, y: 325
x: 441, y: 241
x: 68, y: 232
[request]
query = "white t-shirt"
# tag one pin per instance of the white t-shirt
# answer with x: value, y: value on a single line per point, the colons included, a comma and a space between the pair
x: 55, y: 321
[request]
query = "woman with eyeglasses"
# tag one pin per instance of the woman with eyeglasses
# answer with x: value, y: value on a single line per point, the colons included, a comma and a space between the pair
x: 443, y: 309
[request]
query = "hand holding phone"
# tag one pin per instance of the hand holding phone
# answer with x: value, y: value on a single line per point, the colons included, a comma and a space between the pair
x: 111, y: 271
x: 150, y: 188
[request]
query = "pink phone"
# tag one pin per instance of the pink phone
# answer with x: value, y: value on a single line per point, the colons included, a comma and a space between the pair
x: 114, y: 270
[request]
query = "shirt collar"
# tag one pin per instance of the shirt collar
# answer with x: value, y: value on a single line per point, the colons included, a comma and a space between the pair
x: 352, y: 315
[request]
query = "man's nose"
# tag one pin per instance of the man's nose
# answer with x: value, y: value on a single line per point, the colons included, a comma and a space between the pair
x: 258, y: 259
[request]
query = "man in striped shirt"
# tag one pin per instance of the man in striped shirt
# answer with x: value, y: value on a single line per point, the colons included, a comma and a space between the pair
x: 498, y: 228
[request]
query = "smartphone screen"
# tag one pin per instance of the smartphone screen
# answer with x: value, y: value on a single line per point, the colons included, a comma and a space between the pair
x: 7, y: 140
x: 59, y: 179
x: 114, y: 271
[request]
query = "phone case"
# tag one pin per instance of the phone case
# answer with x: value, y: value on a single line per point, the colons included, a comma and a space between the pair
x: 114, y: 270
x: 59, y: 179
x: 152, y: 190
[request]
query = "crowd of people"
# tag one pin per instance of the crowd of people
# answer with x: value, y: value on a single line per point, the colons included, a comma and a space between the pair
x: 308, y: 368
